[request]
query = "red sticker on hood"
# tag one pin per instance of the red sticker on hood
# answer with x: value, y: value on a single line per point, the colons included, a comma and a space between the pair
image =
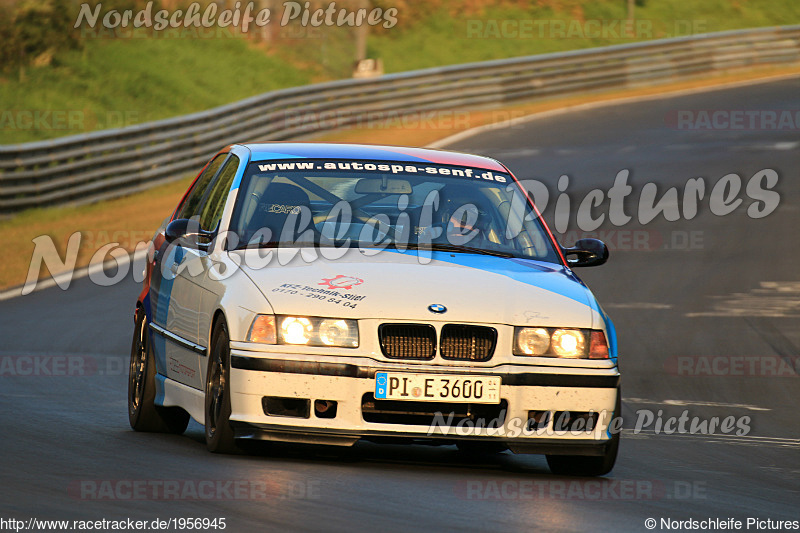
x: 341, y: 282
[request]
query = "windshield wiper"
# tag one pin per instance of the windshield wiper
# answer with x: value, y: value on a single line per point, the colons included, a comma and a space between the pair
x: 275, y: 244
x: 457, y: 248
x: 434, y: 247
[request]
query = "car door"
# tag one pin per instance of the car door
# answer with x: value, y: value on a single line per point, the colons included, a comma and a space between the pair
x: 187, y: 316
x: 175, y: 300
x: 211, y: 218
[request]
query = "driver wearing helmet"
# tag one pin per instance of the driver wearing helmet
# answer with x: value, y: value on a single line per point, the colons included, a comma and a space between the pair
x: 462, y: 216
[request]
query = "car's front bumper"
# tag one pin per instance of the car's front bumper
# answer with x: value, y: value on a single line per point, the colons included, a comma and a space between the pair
x: 350, y: 384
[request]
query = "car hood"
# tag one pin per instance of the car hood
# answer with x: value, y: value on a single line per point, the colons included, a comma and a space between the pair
x: 393, y: 285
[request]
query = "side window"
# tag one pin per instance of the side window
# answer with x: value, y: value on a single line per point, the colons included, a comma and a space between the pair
x: 191, y: 206
x: 214, y: 204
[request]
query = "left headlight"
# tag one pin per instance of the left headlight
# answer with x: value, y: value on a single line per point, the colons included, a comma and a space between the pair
x: 304, y: 330
x: 560, y: 342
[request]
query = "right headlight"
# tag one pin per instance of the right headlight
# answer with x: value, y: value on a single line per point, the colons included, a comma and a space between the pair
x: 560, y: 342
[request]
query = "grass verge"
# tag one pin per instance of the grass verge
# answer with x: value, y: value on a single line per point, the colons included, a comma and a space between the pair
x: 121, y: 82
x: 113, y: 82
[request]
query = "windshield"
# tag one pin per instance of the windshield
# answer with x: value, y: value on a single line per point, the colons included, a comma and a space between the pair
x: 399, y: 205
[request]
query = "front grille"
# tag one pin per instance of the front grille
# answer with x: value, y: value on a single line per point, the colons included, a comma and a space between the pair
x: 468, y: 343
x: 407, y: 341
x: 426, y: 413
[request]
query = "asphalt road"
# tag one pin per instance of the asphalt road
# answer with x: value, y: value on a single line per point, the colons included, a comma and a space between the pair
x: 688, y: 299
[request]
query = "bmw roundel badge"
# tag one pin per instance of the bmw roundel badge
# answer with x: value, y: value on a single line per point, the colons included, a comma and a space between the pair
x: 437, y: 308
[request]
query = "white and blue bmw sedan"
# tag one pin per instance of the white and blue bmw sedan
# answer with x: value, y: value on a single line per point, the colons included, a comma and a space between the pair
x: 327, y: 293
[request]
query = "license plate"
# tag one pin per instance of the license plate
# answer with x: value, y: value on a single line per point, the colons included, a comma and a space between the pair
x: 437, y: 387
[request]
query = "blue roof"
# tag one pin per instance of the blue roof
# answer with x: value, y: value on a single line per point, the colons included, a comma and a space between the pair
x: 290, y: 150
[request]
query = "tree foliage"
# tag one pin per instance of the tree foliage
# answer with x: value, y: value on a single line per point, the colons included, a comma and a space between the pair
x: 35, y: 29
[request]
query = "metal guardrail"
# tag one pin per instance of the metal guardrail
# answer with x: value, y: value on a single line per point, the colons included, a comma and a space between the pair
x: 105, y: 164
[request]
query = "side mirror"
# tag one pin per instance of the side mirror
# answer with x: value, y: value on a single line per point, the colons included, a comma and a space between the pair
x: 183, y: 227
x: 586, y: 253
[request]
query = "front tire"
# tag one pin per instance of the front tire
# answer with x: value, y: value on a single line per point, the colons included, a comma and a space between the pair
x: 589, y: 466
x: 219, y: 434
x: 143, y: 413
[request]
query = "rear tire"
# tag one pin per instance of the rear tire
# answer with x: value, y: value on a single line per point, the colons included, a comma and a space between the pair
x: 219, y: 434
x: 589, y: 466
x: 143, y: 413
